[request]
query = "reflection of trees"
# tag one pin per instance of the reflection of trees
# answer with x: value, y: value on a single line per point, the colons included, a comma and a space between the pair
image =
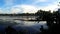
x: 52, y: 27
x: 44, y: 15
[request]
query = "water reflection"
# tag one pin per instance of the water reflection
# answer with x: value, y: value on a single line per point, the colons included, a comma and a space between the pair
x: 30, y: 23
x: 31, y: 26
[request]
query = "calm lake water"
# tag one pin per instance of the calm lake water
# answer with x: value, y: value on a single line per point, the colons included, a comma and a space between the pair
x: 31, y: 26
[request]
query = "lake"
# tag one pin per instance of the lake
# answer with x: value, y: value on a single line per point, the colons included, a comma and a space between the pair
x: 32, y: 26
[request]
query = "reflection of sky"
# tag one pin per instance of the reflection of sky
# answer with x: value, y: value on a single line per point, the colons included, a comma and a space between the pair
x: 31, y: 23
x: 30, y: 26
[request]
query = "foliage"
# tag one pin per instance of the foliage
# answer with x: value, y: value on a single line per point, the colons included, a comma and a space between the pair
x: 52, y: 27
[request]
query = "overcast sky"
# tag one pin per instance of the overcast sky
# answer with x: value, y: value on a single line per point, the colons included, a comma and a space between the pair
x: 27, y: 6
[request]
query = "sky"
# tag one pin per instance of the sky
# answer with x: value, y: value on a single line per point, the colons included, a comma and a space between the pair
x: 27, y: 6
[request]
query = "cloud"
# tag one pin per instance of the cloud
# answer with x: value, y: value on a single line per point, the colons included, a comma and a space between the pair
x: 52, y: 7
x: 29, y: 8
x: 32, y: 9
x: 58, y: 0
x: 41, y: 0
x: 1, y: 11
x: 16, y: 10
x: 9, y: 2
x: 23, y: 9
x: 38, y: 1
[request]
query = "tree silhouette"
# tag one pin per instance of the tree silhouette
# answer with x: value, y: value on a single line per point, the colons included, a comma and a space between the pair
x: 52, y: 27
